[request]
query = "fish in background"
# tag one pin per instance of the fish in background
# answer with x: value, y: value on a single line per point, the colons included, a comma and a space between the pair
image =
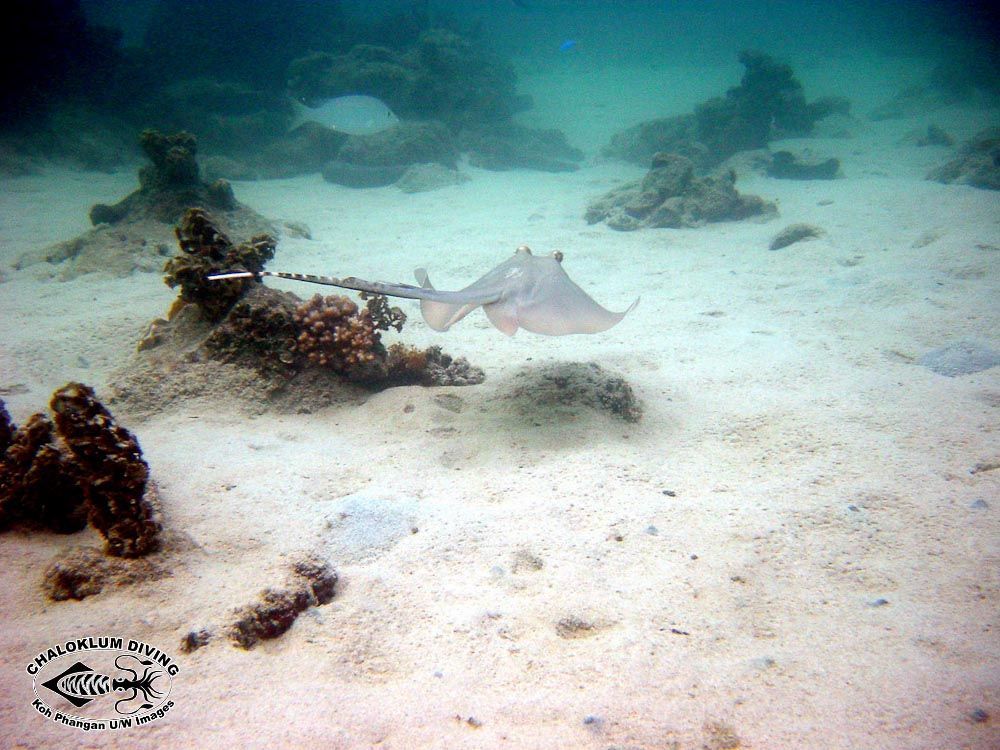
x: 567, y: 45
x: 354, y: 115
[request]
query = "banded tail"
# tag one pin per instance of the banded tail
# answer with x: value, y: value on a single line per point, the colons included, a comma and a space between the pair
x: 407, y: 291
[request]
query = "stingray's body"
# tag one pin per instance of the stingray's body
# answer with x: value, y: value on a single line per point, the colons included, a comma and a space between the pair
x: 527, y: 291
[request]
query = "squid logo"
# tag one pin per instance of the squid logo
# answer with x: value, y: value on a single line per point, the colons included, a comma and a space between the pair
x: 102, y: 683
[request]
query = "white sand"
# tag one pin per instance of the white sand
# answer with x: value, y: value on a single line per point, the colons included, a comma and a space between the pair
x: 815, y: 470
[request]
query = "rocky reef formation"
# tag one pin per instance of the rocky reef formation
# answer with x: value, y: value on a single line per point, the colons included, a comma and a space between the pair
x: 452, y: 94
x: 382, y: 158
x: 441, y: 76
x: 977, y: 163
x: 228, y: 73
x: 167, y: 186
x: 969, y: 74
x: 83, y: 467
x: 240, y: 337
x: 507, y: 145
x: 769, y: 103
x: 672, y: 195
x: 135, y: 233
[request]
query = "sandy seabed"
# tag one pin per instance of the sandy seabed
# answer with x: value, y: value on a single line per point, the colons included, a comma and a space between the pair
x: 785, y: 552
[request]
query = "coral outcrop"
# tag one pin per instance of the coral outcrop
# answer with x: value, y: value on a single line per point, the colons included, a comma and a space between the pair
x: 84, y: 467
x: 205, y: 249
x: 441, y: 76
x: 121, y: 503
x: 381, y: 158
x: 443, y: 85
x: 508, y: 145
x: 769, y: 103
x: 169, y: 185
x: 39, y: 484
x: 671, y: 195
x: 258, y: 332
x: 135, y: 233
x: 268, y: 345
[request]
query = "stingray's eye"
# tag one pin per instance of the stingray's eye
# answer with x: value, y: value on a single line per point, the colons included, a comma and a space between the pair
x: 558, y: 256
x: 523, y: 249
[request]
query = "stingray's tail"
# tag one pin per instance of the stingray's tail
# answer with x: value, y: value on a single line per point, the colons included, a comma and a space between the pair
x: 308, y: 277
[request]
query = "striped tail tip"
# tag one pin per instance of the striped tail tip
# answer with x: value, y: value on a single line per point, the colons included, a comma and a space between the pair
x: 231, y: 275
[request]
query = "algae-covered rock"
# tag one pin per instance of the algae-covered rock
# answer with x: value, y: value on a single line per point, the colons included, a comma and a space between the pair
x: 671, y: 195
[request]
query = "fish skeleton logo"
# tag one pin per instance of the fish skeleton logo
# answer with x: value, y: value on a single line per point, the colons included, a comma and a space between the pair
x: 137, y: 676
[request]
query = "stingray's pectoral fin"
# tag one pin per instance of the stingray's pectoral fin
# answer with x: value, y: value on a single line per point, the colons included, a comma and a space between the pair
x: 440, y: 315
x: 556, y: 317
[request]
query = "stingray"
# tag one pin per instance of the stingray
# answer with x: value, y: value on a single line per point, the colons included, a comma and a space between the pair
x: 527, y: 291
x: 354, y: 115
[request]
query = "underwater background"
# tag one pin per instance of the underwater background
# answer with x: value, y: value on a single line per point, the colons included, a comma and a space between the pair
x: 758, y: 509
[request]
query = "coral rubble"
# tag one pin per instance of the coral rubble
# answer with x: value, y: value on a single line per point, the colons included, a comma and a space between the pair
x: 86, y: 571
x: 671, y: 195
x: 314, y: 584
x: 563, y: 386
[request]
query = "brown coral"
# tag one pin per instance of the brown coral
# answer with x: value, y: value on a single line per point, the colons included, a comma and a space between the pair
x: 335, y: 334
x: 205, y: 250
x: 260, y: 332
x: 115, y: 476
x: 6, y: 428
x: 38, y: 483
